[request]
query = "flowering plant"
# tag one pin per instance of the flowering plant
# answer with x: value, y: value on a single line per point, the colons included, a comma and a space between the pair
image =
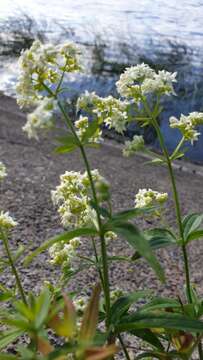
x: 171, y: 328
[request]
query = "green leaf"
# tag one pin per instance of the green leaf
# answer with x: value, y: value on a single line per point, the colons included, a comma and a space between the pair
x: 155, y: 161
x: 65, y: 149
x: 131, y: 213
x: 42, y: 308
x: 158, y: 238
x: 177, y: 155
x: 67, y: 140
x: 138, y: 241
x: 121, y: 306
x: 4, y: 296
x: 66, y: 236
x: 195, y: 235
x: 166, y: 321
x: 161, y: 355
x: 8, y: 337
x: 90, y: 131
x: 160, y: 303
x: 148, y: 336
x: 191, y: 223
x: 18, y: 253
x: 69, y: 143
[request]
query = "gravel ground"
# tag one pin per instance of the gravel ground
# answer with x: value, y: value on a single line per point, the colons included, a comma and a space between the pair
x: 33, y: 171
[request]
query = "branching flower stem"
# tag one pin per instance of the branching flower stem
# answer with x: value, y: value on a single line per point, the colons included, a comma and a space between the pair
x: 175, y: 194
x: 105, y: 277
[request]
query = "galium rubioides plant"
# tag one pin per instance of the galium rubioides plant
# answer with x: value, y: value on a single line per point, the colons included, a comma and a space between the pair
x: 171, y: 328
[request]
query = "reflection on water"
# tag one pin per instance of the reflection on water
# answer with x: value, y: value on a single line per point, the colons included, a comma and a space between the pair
x: 167, y: 33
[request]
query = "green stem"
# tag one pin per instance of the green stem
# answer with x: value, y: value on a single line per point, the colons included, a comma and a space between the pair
x: 97, y: 261
x: 124, y: 347
x: 70, y: 125
x: 175, y: 195
x: 14, y: 270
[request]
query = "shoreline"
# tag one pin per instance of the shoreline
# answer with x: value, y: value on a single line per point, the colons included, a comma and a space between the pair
x: 110, y: 139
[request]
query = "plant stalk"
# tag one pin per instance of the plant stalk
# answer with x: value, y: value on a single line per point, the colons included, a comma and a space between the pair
x: 13, y: 267
x: 175, y: 195
x: 105, y: 277
x: 124, y: 347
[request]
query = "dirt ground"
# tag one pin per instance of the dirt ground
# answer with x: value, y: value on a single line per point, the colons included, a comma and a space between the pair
x: 34, y: 170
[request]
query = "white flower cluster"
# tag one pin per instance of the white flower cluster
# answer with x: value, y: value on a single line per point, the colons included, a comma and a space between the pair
x: 116, y: 294
x: 43, y: 64
x: 41, y: 118
x: 3, y: 172
x: 63, y: 254
x: 110, y: 111
x: 73, y: 198
x: 148, y: 197
x: 6, y: 221
x: 110, y: 235
x: 141, y: 80
x: 82, y: 125
x: 187, y: 125
x: 80, y: 304
x: 131, y: 147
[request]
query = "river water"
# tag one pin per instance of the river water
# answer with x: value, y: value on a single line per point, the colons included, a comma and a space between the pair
x: 160, y: 30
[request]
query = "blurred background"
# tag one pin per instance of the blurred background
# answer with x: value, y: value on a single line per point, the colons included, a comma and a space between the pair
x: 114, y: 34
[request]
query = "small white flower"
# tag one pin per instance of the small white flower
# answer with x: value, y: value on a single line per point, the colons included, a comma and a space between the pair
x: 73, y: 197
x: 43, y: 64
x: 109, y: 110
x: 80, y: 304
x: 116, y: 294
x: 129, y: 83
x: 110, y: 236
x: 3, y: 172
x: 6, y: 221
x: 131, y: 147
x: 148, y: 197
x: 40, y: 119
x: 161, y: 83
x: 140, y: 80
x: 82, y: 125
x: 64, y: 254
x: 187, y: 125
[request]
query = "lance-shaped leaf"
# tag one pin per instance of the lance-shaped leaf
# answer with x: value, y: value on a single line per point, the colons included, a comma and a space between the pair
x: 65, y: 326
x: 9, y: 336
x: 130, y: 214
x: 138, y: 241
x: 161, y: 303
x: 163, y: 320
x: 157, y: 238
x: 69, y: 143
x: 191, y: 223
x: 90, y: 131
x: 121, y: 305
x: 90, y: 317
x: 42, y: 306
